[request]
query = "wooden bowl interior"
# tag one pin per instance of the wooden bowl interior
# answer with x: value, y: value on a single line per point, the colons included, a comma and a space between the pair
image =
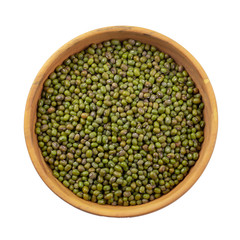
x: 181, y: 56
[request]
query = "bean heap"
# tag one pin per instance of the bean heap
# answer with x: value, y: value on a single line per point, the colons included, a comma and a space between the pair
x: 120, y: 123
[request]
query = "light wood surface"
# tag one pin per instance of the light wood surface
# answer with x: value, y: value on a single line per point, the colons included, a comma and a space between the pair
x: 181, y: 56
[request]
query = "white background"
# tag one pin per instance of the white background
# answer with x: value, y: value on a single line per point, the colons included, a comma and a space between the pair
x: 33, y: 30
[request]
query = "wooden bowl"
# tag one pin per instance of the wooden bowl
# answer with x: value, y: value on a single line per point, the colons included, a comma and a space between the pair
x: 181, y: 56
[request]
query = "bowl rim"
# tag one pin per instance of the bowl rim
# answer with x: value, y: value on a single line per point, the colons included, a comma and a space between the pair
x: 107, y: 210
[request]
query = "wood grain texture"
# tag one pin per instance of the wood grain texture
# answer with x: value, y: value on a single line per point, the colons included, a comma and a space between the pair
x: 181, y: 56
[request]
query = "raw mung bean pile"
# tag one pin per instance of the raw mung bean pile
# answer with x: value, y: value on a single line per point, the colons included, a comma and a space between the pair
x: 120, y: 123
